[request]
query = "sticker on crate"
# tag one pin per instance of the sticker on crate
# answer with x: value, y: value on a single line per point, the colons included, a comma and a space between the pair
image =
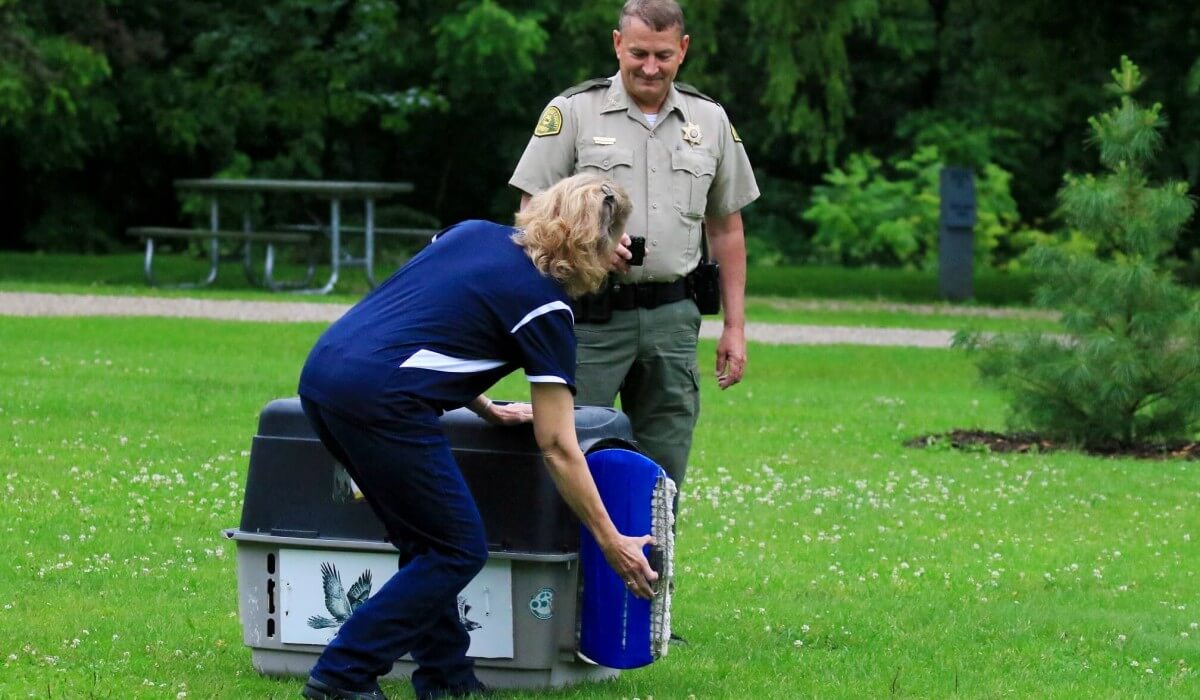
x: 541, y: 604
x: 320, y: 589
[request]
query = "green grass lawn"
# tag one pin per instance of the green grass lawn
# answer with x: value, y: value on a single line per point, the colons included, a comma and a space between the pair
x: 941, y: 316
x: 990, y: 286
x: 817, y: 556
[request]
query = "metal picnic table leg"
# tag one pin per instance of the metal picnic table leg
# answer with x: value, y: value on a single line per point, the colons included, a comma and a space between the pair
x: 335, y: 249
x: 369, y: 235
x: 214, y: 247
x: 301, y: 286
x: 214, y: 243
x: 248, y: 255
x: 148, y: 266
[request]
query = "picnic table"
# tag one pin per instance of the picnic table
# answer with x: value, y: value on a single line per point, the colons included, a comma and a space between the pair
x: 335, y: 192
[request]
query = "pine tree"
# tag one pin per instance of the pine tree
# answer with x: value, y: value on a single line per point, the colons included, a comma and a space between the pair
x: 1125, y: 370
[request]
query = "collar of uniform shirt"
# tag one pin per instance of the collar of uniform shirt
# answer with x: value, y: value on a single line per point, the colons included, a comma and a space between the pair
x: 618, y: 99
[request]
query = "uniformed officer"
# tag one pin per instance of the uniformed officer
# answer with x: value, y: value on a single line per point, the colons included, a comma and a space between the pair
x: 677, y: 154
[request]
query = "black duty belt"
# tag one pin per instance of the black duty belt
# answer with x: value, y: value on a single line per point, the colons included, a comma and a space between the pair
x: 648, y: 295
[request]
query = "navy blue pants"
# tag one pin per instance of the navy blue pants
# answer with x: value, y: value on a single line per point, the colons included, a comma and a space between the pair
x: 413, y: 484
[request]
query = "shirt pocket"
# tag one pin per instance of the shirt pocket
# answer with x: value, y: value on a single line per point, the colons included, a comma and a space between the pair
x: 613, y: 163
x: 692, y: 175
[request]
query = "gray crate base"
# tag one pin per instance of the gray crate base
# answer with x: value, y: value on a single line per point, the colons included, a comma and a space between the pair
x: 543, y: 650
x: 272, y: 662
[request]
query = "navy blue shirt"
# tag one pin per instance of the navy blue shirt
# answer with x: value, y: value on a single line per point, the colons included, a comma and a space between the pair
x: 467, y: 310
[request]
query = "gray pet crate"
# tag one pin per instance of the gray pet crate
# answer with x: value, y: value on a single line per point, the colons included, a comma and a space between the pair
x: 308, y: 551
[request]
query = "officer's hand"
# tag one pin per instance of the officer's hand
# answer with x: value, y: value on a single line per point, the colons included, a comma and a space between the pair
x: 621, y: 255
x: 508, y: 413
x: 626, y: 558
x: 731, y: 357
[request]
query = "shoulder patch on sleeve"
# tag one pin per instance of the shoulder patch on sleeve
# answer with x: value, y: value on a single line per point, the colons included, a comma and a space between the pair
x: 550, y: 123
x: 735, y: 133
x: 585, y: 86
x: 689, y: 90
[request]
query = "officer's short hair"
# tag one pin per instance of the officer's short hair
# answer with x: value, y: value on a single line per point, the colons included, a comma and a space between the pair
x: 659, y: 15
x: 570, y: 230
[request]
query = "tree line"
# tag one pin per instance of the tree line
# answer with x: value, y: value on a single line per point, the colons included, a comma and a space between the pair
x: 104, y: 102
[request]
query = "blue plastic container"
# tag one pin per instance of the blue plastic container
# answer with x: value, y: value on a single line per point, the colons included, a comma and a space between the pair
x: 614, y: 624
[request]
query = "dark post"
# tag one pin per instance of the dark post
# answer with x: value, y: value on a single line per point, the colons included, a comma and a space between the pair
x: 956, y: 233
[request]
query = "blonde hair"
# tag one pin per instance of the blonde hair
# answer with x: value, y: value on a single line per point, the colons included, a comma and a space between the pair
x: 570, y: 230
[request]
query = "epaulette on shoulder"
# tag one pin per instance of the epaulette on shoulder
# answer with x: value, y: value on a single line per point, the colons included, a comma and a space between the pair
x: 689, y: 90
x: 586, y: 85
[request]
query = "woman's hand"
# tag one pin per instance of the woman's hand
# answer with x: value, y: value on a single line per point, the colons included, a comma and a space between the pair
x: 501, y: 413
x: 624, y: 555
x: 510, y: 414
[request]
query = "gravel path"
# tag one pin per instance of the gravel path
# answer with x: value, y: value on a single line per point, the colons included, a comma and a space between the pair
x: 943, y: 309
x: 31, y: 304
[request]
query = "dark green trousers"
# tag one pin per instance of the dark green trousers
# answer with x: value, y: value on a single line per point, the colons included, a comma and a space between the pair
x: 648, y: 357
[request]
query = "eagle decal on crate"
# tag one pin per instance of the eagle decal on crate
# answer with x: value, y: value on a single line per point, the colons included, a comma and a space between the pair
x: 339, y: 602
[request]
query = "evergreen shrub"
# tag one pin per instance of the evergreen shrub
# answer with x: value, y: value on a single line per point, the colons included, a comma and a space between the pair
x: 1125, y: 370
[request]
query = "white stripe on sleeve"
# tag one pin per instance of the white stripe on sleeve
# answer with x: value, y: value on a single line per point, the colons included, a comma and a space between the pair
x: 543, y: 309
x: 545, y: 379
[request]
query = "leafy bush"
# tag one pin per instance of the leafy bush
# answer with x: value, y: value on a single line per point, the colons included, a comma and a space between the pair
x: 867, y: 214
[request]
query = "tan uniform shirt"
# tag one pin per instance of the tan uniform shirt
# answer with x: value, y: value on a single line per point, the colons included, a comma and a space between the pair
x: 689, y: 165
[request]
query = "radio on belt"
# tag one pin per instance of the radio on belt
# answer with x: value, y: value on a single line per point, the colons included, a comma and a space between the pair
x: 540, y: 614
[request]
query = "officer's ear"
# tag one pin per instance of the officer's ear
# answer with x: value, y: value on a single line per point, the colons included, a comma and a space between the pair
x: 684, y: 41
x: 617, y: 41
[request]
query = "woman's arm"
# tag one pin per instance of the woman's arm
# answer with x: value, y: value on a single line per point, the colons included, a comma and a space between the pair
x: 554, y: 429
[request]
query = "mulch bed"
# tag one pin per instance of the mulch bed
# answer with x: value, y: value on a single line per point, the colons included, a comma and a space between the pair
x: 1027, y: 442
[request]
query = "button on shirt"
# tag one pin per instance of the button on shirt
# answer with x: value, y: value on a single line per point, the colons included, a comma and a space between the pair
x: 673, y: 181
x: 467, y: 310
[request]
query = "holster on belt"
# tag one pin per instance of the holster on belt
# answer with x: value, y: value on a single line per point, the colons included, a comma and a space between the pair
x: 704, y: 283
x: 595, y: 307
x: 704, y: 287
